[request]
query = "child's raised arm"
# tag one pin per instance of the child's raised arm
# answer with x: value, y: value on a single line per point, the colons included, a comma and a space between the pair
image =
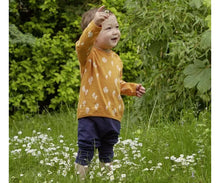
x: 89, y: 35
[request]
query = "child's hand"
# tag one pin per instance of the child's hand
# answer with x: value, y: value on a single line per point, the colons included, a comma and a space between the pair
x: 140, y: 90
x: 100, y: 16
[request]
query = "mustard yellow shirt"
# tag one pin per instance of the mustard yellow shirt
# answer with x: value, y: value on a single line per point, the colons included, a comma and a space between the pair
x: 101, y: 79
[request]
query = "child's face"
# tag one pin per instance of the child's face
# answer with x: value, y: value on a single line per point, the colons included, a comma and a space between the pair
x: 110, y: 34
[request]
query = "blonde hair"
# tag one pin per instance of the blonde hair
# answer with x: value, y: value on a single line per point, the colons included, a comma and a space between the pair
x: 88, y: 16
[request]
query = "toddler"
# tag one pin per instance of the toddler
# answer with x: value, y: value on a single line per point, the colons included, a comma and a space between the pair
x: 100, y: 106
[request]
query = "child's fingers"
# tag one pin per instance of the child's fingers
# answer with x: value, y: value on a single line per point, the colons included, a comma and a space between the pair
x: 139, y: 94
x: 101, y: 9
x: 142, y: 90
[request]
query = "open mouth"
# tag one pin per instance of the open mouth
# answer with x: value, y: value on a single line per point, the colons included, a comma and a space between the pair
x: 114, y: 39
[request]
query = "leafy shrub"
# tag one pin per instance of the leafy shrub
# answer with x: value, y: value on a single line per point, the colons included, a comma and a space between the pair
x: 44, y: 75
x: 170, y: 36
x: 164, y: 44
x: 44, y: 71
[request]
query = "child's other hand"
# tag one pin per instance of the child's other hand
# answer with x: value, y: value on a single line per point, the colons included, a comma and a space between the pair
x: 140, y: 90
x: 100, y: 16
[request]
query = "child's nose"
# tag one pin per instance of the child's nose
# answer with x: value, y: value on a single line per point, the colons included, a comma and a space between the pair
x: 115, y: 31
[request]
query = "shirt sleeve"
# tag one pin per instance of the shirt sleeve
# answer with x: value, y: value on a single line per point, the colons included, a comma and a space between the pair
x: 86, y: 42
x: 127, y: 88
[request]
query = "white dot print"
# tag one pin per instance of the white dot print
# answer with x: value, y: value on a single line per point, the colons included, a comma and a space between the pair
x: 90, y: 34
x: 114, y: 111
x: 119, y: 107
x: 83, y: 88
x: 96, y: 106
x: 113, y: 93
x: 119, y: 69
x: 87, y: 110
x: 94, y: 96
x: 110, y: 73
x: 90, y: 80
x: 116, y: 81
x: 104, y: 59
x: 105, y: 90
x: 94, y: 65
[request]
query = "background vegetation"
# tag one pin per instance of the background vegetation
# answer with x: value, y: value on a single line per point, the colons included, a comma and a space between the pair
x: 165, y: 45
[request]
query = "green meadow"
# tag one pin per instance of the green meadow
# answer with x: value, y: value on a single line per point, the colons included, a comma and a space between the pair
x: 43, y: 149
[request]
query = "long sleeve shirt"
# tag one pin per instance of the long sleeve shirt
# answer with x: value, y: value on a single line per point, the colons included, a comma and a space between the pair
x: 101, y: 79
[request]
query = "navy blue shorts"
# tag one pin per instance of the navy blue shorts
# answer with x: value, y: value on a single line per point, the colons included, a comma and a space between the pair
x: 97, y: 132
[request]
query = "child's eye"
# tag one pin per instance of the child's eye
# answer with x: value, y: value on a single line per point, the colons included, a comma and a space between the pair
x: 117, y: 27
x: 108, y: 28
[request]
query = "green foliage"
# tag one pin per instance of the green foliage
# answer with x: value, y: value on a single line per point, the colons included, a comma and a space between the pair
x: 165, y: 45
x: 44, y: 75
x: 169, y: 36
x: 44, y: 71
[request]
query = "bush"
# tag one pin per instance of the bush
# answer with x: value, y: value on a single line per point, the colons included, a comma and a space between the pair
x: 44, y: 71
x: 173, y: 41
x: 165, y: 45
x: 42, y: 74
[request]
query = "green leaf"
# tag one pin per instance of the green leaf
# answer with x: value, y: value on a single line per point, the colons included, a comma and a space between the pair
x: 198, y: 75
x: 196, y: 3
x: 205, y: 42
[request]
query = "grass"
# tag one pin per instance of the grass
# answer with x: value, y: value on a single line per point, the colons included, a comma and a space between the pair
x: 43, y: 149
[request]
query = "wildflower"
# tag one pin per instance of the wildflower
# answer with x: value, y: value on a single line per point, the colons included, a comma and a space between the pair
x: 123, y: 175
x: 20, y: 132
x: 99, y: 174
x: 150, y: 161
x: 167, y: 157
x: 64, y: 173
x: 146, y: 169
x: 39, y: 174
x: 49, y: 129
x: 172, y: 157
x: 159, y: 164
x: 21, y: 175
x: 112, y: 177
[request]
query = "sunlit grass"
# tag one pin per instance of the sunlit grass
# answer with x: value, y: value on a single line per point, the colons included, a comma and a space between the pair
x: 43, y: 149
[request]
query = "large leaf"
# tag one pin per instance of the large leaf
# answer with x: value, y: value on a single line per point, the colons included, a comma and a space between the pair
x: 198, y: 75
x: 205, y: 42
x: 196, y: 3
